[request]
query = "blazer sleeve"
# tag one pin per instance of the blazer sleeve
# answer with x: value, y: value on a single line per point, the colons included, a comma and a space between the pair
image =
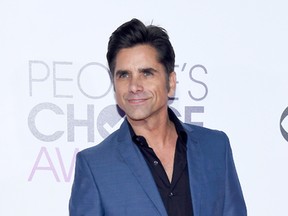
x: 234, y: 204
x: 85, y: 198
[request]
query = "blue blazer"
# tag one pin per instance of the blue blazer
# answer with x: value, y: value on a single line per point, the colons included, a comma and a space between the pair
x: 113, y: 179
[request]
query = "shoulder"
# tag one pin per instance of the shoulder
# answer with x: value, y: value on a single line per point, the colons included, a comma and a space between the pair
x: 109, y: 146
x: 209, y: 139
x: 203, y: 132
x: 102, y: 148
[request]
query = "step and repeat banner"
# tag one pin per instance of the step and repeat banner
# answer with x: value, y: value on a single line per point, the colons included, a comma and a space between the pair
x: 57, y: 98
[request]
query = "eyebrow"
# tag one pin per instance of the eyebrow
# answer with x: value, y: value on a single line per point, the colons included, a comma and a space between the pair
x: 141, y: 70
x: 149, y: 69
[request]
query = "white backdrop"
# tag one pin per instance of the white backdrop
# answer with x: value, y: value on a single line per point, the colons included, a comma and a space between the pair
x: 56, y: 97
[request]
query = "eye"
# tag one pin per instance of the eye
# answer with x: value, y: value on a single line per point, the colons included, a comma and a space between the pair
x: 148, y: 72
x: 122, y: 74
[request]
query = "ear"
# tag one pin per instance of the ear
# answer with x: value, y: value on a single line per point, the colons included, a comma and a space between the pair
x: 172, y: 84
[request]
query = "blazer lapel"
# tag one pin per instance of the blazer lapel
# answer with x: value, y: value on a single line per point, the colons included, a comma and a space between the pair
x: 137, y: 164
x: 194, y: 167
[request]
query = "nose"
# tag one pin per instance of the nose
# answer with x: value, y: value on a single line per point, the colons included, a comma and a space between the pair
x: 135, y: 84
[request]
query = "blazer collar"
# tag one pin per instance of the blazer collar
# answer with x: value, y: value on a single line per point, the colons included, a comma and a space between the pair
x: 195, y: 163
x: 138, y: 166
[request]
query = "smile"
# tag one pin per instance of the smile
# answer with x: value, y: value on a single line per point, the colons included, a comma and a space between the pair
x: 136, y: 101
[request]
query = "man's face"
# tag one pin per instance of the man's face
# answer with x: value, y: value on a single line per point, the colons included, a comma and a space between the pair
x: 140, y: 83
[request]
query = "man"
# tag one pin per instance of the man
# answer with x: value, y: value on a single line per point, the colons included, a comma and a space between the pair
x: 153, y: 164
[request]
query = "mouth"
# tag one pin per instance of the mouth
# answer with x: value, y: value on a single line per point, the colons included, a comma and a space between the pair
x: 136, y: 101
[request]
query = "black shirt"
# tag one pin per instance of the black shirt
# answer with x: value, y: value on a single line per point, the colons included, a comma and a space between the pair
x: 176, y: 194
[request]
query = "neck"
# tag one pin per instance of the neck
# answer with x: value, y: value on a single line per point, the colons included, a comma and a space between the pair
x: 157, y: 132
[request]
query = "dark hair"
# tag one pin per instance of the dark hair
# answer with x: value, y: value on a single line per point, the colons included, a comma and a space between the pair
x: 134, y: 33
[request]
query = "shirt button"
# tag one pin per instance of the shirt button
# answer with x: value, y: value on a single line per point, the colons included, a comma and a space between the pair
x: 171, y: 194
x: 155, y: 163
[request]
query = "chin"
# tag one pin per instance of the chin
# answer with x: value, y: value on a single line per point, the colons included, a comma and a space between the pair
x: 136, y: 118
x: 139, y: 116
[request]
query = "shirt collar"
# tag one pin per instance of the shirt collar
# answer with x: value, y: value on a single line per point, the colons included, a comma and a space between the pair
x: 182, y: 135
